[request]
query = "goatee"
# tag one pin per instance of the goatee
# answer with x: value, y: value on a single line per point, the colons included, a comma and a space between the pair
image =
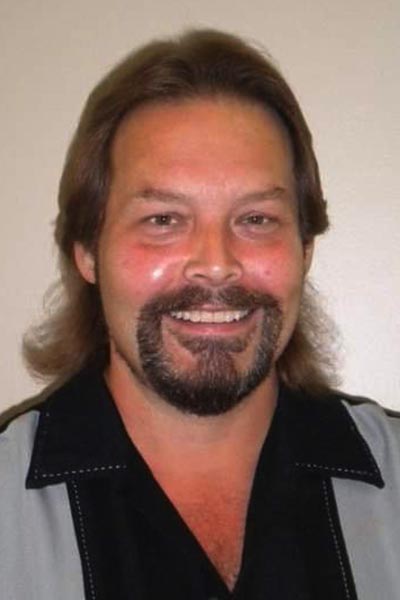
x: 215, y: 385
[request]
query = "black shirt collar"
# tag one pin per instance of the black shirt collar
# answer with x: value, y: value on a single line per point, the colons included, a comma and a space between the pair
x: 325, y: 440
x: 80, y: 435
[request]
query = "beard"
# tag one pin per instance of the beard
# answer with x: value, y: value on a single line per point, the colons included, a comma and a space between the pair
x: 214, y: 385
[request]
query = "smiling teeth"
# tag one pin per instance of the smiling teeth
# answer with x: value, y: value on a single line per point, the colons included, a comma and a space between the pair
x: 204, y: 316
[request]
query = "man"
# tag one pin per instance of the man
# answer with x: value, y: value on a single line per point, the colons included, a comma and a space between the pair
x: 192, y: 446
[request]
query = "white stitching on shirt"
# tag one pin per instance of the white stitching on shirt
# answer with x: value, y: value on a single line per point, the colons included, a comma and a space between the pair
x: 80, y: 471
x: 84, y: 543
x: 335, y: 539
x: 338, y: 469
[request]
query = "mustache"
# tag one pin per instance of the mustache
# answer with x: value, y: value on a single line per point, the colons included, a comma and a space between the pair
x: 192, y: 297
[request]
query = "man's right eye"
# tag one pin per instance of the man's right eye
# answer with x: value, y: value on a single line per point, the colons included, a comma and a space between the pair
x: 163, y: 225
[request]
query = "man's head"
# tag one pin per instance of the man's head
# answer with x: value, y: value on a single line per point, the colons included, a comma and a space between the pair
x: 209, y: 102
x: 200, y: 262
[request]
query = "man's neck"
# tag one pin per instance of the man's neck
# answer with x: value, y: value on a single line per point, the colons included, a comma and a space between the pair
x: 205, y: 465
x: 171, y: 440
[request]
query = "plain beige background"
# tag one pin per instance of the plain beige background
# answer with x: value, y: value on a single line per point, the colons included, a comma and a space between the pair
x: 342, y: 59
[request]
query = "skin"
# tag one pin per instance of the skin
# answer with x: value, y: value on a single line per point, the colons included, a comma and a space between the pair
x: 202, y: 193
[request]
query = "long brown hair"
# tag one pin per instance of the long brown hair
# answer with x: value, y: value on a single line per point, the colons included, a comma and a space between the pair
x: 198, y: 63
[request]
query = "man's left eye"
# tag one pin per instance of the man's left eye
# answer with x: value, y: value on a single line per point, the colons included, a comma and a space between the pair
x: 162, y: 220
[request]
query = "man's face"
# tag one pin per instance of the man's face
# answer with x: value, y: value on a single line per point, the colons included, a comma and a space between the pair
x: 200, y: 264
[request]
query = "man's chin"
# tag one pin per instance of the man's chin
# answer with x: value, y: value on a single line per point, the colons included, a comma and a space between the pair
x: 211, y: 386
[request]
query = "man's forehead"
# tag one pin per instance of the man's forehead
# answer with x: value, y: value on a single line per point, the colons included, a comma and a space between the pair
x: 228, y: 112
x: 166, y: 150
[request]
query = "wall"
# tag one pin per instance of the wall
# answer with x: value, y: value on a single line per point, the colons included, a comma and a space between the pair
x: 342, y: 59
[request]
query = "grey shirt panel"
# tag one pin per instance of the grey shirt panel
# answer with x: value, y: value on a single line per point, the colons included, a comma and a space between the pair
x: 39, y: 557
x: 370, y: 517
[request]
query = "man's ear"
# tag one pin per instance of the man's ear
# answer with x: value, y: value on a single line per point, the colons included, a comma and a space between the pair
x: 308, y: 255
x: 85, y: 262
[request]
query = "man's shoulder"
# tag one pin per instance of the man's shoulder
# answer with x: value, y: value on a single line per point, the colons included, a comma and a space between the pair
x: 32, y: 404
x: 378, y: 426
x: 333, y: 402
x: 18, y: 427
x: 366, y: 409
x: 365, y: 401
x: 57, y: 394
x: 16, y: 442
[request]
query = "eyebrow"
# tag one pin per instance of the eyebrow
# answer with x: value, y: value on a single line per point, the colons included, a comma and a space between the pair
x: 272, y: 193
x: 150, y: 193
x: 165, y: 195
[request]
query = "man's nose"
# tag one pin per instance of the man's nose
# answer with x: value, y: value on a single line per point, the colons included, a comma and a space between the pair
x: 212, y: 260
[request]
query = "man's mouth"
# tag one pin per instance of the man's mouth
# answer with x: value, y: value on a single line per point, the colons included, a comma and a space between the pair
x: 207, y: 316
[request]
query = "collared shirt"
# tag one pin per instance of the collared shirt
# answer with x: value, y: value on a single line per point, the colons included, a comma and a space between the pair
x: 137, y: 546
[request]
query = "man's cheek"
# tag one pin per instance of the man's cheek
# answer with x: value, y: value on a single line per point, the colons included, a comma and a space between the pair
x: 150, y: 266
